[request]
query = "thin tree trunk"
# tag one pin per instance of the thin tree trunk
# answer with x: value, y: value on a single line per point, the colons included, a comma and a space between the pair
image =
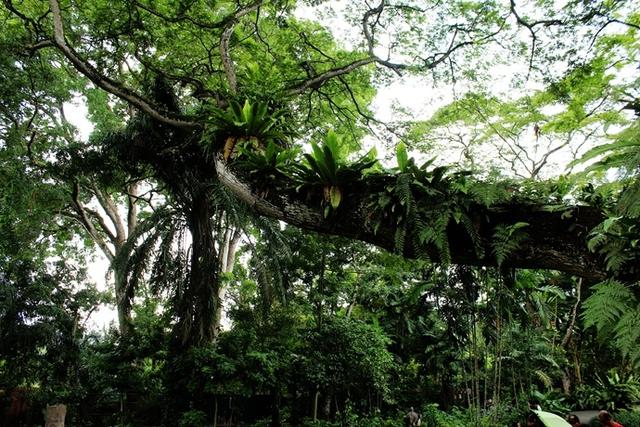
x: 515, y: 387
x: 498, y: 370
x: 275, y: 408
x: 566, y: 340
x: 476, y: 368
x: 228, y: 250
x: 215, y: 412
x: 327, y: 405
x: 315, y: 405
x: 467, y: 390
x: 123, y: 303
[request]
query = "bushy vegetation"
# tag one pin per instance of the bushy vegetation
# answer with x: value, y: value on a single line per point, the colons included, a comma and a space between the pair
x: 463, y: 346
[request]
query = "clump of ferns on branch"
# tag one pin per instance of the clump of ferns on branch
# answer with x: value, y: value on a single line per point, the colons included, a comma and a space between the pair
x: 421, y: 204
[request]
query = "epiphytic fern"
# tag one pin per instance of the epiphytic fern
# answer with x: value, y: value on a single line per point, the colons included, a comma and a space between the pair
x: 471, y: 230
x: 507, y: 239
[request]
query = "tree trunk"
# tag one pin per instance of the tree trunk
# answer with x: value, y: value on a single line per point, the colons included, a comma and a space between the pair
x: 566, y: 382
x: 215, y: 412
x: 315, y: 405
x: 228, y: 251
x: 275, y: 408
x: 199, y: 302
x: 123, y: 303
x: 567, y: 339
x: 326, y: 410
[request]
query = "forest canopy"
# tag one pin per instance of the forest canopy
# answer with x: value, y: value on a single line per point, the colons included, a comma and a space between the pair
x: 480, y: 139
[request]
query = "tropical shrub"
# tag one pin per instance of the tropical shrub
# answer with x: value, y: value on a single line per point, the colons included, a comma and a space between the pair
x: 613, y: 391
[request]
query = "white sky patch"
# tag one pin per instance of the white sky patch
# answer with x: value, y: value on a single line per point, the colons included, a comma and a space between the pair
x: 105, y: 315
x: 77, y: 114
x: 416, y: 95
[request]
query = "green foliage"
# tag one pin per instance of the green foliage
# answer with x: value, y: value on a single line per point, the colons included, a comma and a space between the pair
x: 552, y: 401
x: 623, y: 153
x: 402, y: 157
x: 421, y: 204
x: 268, y: 164
x: 193, y: 418
x: 606, y: 305
x: 254, y: 123
x: 627, y: 334
x: 629, y: 418
x: 433, y: 416
x: 362, y: 363
x: 508, y: 238
x: 617, y: 239
x: 328, y: 167
x: 40, y: 330
x: 613, y: 310
x: 612, y: 391
x: 316, y: 315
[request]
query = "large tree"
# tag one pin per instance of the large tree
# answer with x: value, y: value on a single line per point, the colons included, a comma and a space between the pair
x: 185, y: 67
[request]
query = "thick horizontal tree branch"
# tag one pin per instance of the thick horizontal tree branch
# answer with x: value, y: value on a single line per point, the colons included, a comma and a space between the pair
x: 556, y: 240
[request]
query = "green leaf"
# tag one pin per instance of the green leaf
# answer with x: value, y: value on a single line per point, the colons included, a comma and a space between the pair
x: 335, y: 196
x: 609, y: 222
x: 402, y: 157
x: 604, y: 308
x: 332, y: 144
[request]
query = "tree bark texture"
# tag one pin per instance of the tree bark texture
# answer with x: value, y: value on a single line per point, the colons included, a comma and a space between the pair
x: 123, y: 303
x: 199, y: 300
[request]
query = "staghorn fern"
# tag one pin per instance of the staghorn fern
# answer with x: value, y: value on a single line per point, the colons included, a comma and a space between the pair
x: 253, y: 122
x: 327, y: 166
